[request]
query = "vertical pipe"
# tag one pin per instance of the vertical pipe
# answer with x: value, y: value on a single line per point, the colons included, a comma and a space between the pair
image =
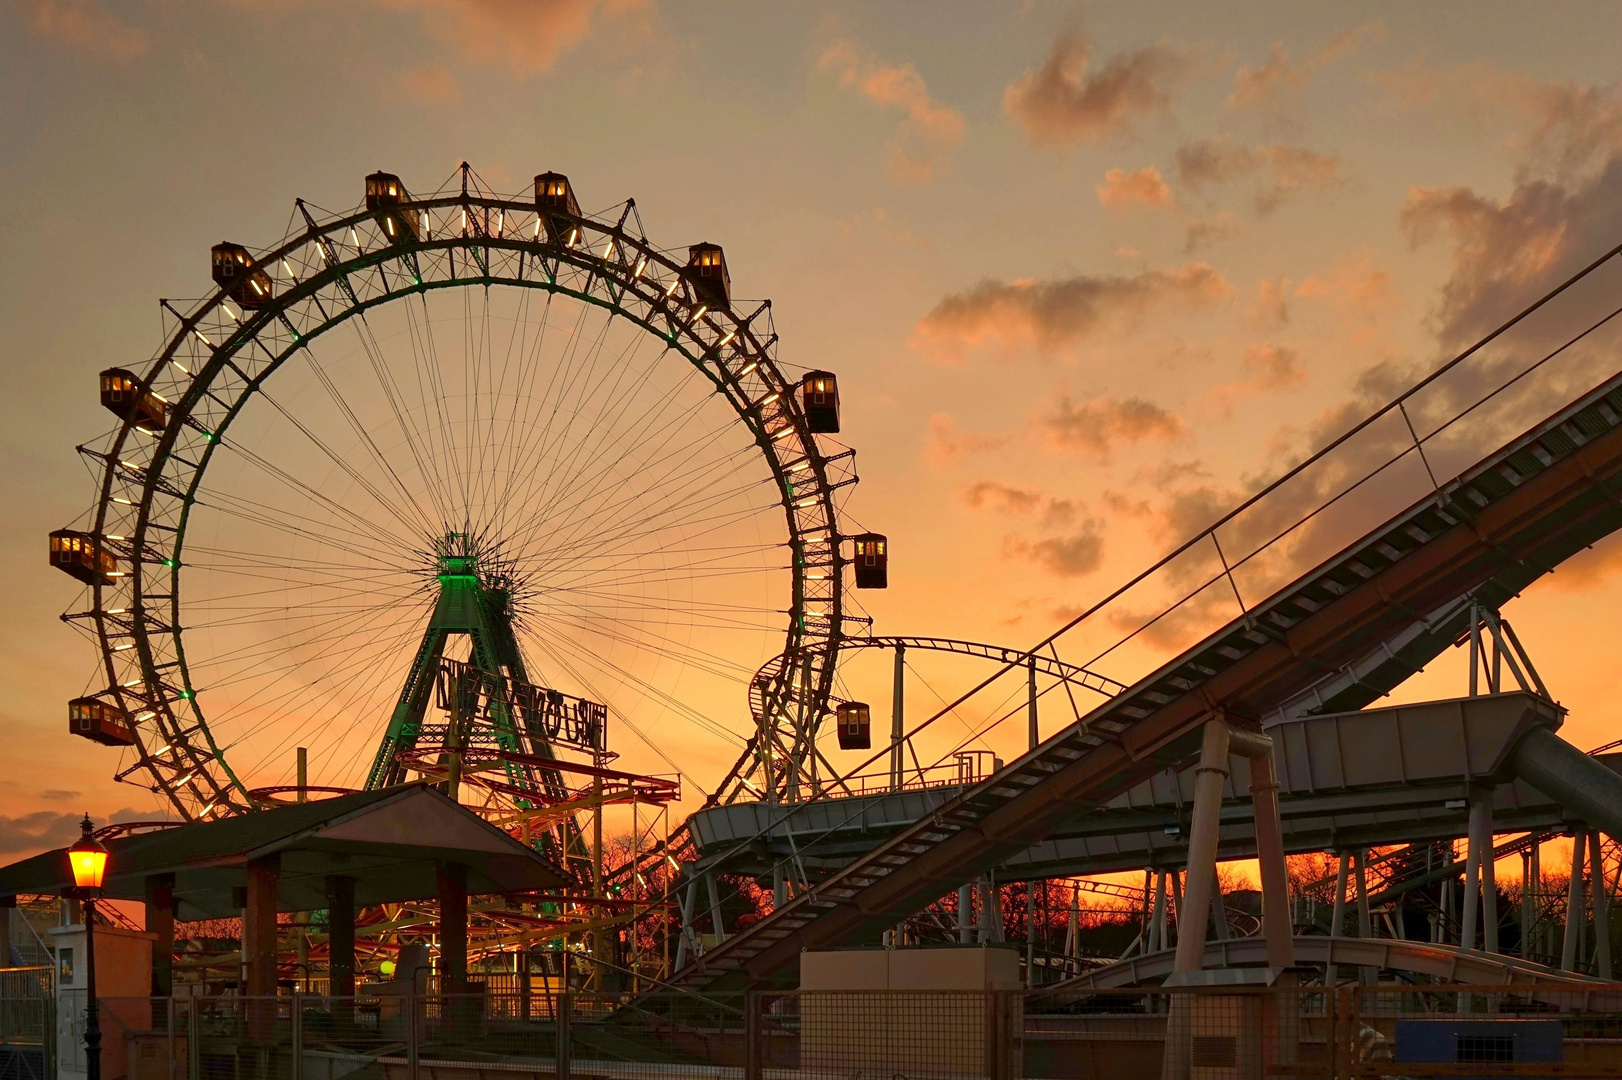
x: 1574, y: 902
x: 1034, y: 736
x: 1219, y: 909
x: 1526, y: 899
x: 1157, y: 925
x: 1365, y: 925
x: 1337, y: 914
x: 1472, y: 880
x: 1276, y: 921
x: 898, y: 726
x: 965, y: 911
x: 717, y: 923
x: 1602, y: 906
x: 1475, y: 654
x: 303, y: 774
x: 1538, y: 931
x: 1209, y: 777
x: 1488, y: 873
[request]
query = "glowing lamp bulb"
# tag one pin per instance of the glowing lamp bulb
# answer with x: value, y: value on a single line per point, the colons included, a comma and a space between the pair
x: 88, y: 858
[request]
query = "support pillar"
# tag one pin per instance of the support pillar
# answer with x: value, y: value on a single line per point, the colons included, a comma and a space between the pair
x: 1574, y: 902
x: 259, y: 945
x: 1157, y: 923
x: 1601, y: 895
x: 8, y: 905
x: 450, y: 889
x: 1472, y: 884
x: 1337, y: 916
x: 1209, y: 777
x: 1219, y: 909
x: 965, y: 914
x: 160, y: 922
x: 898, y: 727
x: 341, y: 938
x: 1276, y: 921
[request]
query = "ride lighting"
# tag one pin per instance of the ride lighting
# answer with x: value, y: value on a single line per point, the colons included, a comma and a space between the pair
x: 88, y: 858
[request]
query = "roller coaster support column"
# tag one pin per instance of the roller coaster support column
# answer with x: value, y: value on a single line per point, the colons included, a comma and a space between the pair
x: 1480, y: 881
x: 1209, y: 777
x: 1601, y: 894
x: 965, y: 914
x: 898, y: 727
x: 1270, y: 860
x: 1570, y: 946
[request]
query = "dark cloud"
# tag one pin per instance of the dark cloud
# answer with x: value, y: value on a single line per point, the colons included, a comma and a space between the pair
x: 1094, y: 428
x: 1052, y: 314
x: 1507, y: 253
x: 1065, y: 103
x: 1280, y: 171
x: 1075, y: 555
x: 1018, y: 499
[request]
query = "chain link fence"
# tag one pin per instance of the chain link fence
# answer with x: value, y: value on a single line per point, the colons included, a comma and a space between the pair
x: 1207, y: 1033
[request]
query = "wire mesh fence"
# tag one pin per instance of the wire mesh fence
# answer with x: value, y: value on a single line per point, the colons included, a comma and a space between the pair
x: 1199, y: 1033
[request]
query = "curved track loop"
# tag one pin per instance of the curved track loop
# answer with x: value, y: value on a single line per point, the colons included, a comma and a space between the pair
x: 1444, y: 962
x: 338, y: 267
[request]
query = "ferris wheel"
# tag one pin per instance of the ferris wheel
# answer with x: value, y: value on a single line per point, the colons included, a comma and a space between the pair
x: 462, y: 432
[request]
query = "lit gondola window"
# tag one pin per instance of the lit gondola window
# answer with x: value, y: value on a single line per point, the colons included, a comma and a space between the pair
x: 855, y: 725
x: 872, y: 561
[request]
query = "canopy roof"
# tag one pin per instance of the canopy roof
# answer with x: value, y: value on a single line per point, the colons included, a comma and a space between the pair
x: 391, y: 842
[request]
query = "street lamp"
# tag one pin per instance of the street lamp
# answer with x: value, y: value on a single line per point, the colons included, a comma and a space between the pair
x: 88, y: 858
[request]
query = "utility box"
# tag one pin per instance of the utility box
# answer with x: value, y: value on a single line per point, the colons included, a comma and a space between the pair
x: 123, y: 987
x: 1463, y: 1040
x: 940, y: 1012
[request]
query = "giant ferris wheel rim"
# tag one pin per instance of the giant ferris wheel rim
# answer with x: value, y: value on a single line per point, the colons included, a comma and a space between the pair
x: 614, y: 269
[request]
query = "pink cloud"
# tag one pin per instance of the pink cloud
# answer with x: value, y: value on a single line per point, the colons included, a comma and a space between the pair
x: 930, y: 130
x: 84, y: 26
x: 1144, y: 187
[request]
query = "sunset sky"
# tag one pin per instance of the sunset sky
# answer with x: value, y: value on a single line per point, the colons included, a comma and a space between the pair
x: 1089, y: 273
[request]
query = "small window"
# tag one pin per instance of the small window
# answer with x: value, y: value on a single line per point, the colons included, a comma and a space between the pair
x: 64, y: 960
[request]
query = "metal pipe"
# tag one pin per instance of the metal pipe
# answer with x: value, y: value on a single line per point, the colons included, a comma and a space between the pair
x: 965, y: 909
x: 1602, y: 907
x: 898, y: 729
x: 1588, y: 790
x: 1210, y: 776
x: 1337, y: 915
x: 1574, y: 903
x: 1481, y: 820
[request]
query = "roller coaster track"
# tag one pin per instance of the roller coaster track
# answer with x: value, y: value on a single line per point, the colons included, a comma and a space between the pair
x: 1345, y: 633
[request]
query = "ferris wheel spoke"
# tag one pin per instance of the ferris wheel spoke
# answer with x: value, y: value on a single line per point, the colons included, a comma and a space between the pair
x: 579, y: 384
x: 701, y: 515
x: 583, y: 516
x: 364, y: 437
x: 608, y: 546
x: 393, y: 395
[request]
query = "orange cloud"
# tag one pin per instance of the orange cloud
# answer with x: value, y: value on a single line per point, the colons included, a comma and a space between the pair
x: 1094, y: 428
x: 1266, y: 84
x: 930, y: 131
x: 430, y: 85
x: 1282, y: 170
x: 84, y: 26
x: 1052, y: 314
x: 1143, y: 186
x: 948, y: 442
x: 1063, y: 103
x: 525, y: 36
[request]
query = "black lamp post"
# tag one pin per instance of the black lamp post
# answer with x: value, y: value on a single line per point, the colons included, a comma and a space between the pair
x: 89, y: 861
